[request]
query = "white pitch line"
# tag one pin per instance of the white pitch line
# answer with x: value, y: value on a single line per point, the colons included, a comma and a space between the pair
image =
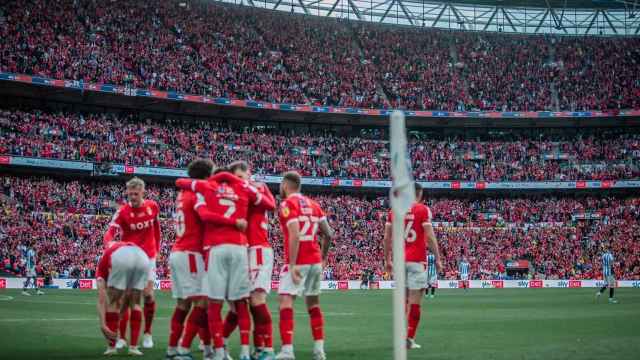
x: 6, y: 298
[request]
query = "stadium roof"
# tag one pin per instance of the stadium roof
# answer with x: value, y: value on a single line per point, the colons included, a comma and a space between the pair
x: 563, y: 17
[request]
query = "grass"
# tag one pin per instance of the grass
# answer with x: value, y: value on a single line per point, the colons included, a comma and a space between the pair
x: 482, y: 324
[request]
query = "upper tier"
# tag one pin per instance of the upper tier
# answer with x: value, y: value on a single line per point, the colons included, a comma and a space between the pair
x: 224, y: 51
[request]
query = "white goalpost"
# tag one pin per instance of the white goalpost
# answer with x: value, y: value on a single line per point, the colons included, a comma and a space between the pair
x: 402, y: 196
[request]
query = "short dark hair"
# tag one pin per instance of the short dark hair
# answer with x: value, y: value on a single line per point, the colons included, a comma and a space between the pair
x: 294, y: 178
x: 418, y: 189
x: 200, y: 168
x: 238, y: 165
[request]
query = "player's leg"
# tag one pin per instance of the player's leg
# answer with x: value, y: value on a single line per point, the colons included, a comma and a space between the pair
x: 177, y: 325
x: 135, y: 320
x: 286, y: 326
x: 261, y: 270
x: 25, y: 286
x: 239, y: 287
x: 217, y: 282
x: 125, y: 313
x: 149, y: 307
x: 416, y: 283
x: 114, y: 297
x: 611, y: 283
x: 311, y: 291
x: 230, y: 323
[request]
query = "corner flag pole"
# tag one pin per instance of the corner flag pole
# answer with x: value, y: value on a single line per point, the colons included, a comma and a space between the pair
x: 402, y: 196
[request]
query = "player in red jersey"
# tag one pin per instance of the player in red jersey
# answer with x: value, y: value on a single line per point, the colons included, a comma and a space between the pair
x: 260, y: 268
x: 138, y: 221
x: 228, y: 264
x: 300, y: 219
x: 418, y: 231
x: 121, y: 276
x: 187, y: 267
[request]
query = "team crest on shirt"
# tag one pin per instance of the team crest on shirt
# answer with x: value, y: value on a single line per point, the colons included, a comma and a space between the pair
x: 149, y: 211
x: 285, y: 211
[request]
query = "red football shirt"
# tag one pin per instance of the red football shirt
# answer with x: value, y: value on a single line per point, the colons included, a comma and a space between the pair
x: 189, y: 229
x: 140, y: 225
x: 104, y: 266
x: 415, y: 247
x: 308, y: 214
x: 231, y: 200
x: 257, y: 230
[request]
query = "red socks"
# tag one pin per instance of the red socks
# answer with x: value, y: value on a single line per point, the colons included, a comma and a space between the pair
x: 136, y: 322
x: 286, y: 326
x: 149, y: 312
x: 111, y: 318
x: 191, y: 327
x: 215, y: 324
x: 230, y: 323
x: 203, y: 328
x: 177, y: 325
x: 317, y: 323
x: 124, y: 319
x: 414, y: 320
x: 244, y: 321
x: 263, y: 331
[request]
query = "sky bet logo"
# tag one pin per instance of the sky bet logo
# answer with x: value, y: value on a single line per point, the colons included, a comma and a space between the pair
x: 563, y: 284
x: 635, y: 284
x: 332, y: 285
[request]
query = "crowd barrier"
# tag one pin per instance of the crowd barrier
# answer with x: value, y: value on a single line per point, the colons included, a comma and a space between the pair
x: 120, y: 169
x: 165, y: 285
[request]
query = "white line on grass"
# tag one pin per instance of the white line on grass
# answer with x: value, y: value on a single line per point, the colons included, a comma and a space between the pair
x: 6, y: 298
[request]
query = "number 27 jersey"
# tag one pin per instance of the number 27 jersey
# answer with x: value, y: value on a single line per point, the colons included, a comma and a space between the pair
x: 308, y: 214
x: 415, y: 243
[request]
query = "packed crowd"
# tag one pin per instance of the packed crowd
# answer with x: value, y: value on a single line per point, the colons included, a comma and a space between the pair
x: 598, y: 154
x: 65, y: 221
x: 241, y: 52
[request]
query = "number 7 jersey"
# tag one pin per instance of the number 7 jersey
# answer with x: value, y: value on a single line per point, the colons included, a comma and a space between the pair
x: 308, y: 214
x: 414, y: 236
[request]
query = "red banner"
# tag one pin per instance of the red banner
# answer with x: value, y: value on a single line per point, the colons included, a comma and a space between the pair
x: 498, y: 284
x: 129, y: 169
x: 165, y: 285
x: 5, y: 160
x: 374, y: 285
x: 85, y: 284
x: 455, y: 185
x: 581, y: 184
x: 481, y: 185
x: 3, y: 283
x: 343, y: 285
x: 606, y: 184
x: 40, y: 282
x: 575, y: 283
x: 535, y: 283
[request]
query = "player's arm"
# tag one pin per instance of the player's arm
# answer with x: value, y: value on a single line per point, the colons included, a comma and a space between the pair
x: 212, y: 217
x: 326, y: 234
x: 200, y: 186
x: 293, y: 227
x: 156, y: 229
x: 102, y: 309
x: 227, y: 177
x: 268, y: 201
x: 115, y: 226
x: 387, y: 244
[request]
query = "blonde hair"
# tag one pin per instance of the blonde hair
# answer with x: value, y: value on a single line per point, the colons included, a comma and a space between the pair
x: 135, y: 183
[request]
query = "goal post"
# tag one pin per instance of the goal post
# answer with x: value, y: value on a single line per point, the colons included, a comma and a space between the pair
x: 402, y: 197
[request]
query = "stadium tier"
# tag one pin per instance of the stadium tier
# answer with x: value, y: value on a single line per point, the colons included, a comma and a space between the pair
x: 560, y: 236
x: 237, y: 52
x: 589, y: 154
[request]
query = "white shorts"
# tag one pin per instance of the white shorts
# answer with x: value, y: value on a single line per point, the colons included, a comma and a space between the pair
x: 311, y: 276
x: 464, y: 277
x: 187, y: 274
x: 227, y: 273
x: 432, y: 279
x: 31, y: 272
x: 610, y: 280
x: 151, y: 276
x: 260, y: 268
x: 129, y: 268
x: 416, y: 275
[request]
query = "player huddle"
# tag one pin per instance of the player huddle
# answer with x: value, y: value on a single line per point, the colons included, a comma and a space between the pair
x: 221, y: 254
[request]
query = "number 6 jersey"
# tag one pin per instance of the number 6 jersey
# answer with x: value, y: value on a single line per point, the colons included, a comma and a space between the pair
x: 414, y: 236
x: 308, y: 214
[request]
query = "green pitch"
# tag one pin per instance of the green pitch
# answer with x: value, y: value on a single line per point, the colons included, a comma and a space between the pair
x: 482, y: 324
